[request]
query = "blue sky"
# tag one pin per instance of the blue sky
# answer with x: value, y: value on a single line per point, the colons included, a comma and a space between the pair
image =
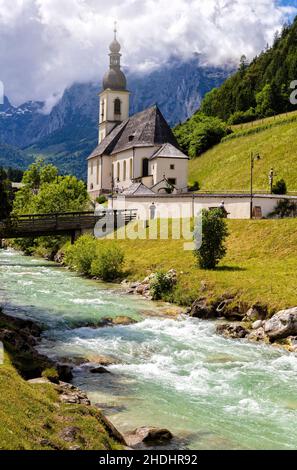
x: 57, y: 42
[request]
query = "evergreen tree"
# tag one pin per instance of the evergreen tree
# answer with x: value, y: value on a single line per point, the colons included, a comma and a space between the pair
x: 5, y: 195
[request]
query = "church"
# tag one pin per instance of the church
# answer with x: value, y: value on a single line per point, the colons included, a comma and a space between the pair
x: 137, y: 154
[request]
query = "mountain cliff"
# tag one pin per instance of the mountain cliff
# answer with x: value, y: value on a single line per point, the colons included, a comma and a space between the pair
x: 69, y: 133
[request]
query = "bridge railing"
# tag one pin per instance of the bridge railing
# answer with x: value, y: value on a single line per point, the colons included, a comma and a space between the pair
x: 62, y: 221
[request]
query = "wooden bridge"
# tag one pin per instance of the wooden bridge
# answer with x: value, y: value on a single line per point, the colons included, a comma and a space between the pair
x: 68, y: 223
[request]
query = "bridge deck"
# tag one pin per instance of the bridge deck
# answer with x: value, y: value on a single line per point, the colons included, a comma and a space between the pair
x: 35, y: 225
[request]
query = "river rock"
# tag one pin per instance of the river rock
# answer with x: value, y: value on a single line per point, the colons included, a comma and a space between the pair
x: 258, y: 335
x: 125, y: 321
x: 201, y: 309
x: 149, y: 436
x: 257, y: 324
x: 143, y: 289
x: 70, y: 433
x: 282, y: 325
x: 99, y: 370
x: 234, y: 331
x: 104, y: 361
x: 255, y: 313
x: 71, y: 395
x: 64, y: 372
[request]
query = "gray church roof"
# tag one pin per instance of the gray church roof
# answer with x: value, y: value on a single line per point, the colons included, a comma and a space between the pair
x: 144, y: 129
x: 139, y: 189
x: 169, y: 151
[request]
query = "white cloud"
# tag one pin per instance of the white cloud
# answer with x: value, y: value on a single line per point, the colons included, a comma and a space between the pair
x: 46, y: 45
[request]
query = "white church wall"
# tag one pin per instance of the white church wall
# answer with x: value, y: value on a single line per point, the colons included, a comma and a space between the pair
x: 176, y: 206
x: 179, y: 172
x: 139, y: 154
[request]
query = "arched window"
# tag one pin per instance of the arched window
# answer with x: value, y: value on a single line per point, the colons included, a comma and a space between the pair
x: 117, y: 106
x: 102, y: 110
x: 131, y: 168
x: 125, y: 171
x: 118, y: 171
x: 98, y: 172
x: 145, y: 167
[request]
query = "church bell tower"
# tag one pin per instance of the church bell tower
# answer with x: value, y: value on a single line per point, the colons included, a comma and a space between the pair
x: 114, y: 98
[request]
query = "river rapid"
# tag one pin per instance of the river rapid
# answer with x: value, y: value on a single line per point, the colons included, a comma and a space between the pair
x: 211, y: 392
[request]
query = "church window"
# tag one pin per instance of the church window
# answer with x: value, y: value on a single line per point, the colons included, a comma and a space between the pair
x: 117, y: 106
x: 98, y: 170
x: 172, y: 167
x: 131, y: 138
x: 92, y: 167
x: 145, y: 167
x: 118, y: 171
x: 102, y: 110
x: 131, y: 168
x: 125, y: 171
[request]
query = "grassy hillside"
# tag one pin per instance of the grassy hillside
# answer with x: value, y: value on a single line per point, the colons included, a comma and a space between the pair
x: 32, y: 417
x: 227, y: 165
x: 260, y: 264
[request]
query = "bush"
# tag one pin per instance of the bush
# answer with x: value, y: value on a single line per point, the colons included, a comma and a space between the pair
x: 200, y: 133
x: 285, y: 209
x: 108, y: 263
x: 101, y: 199
x: 194, y: 187
x: 242, y: 117
x: 162, y: 284
x: 81, y: 255
x: 214, y: 234
x: 280, y: 187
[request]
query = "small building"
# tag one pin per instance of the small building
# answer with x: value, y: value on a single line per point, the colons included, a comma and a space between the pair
x: 137, y: 149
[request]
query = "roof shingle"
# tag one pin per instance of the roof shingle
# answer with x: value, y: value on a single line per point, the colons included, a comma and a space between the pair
x: 145, y: 129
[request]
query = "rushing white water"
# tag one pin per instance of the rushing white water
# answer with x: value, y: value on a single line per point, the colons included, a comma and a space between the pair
x: 211, y: 392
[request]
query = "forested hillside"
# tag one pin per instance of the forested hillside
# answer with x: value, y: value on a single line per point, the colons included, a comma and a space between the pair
x: 259, y: 89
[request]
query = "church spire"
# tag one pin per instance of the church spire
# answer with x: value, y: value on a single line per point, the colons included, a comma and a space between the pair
x: 115, y: 79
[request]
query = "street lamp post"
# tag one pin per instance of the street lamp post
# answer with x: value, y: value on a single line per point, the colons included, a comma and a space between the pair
x: 254, y: 157
x: 271, y: 179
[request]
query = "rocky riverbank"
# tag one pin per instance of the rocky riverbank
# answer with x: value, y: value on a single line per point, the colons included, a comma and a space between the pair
x: 21, y: 337
x: 255, y: 323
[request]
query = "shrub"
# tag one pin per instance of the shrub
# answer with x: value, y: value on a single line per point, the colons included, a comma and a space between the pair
x: 194, y: 187
x: 280, y: 187
x: 200, y: 133
x: 242, y: 117
x: 285, y: 209
x: 81, y: 255
x: 162, y: 284
x: 108, y: 263
x: 101, y: 199
x: 214, y: 234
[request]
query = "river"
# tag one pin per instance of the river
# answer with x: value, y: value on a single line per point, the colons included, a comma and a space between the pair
x: 211, y: 392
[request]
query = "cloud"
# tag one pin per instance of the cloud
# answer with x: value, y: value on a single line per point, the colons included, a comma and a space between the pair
x: 46, y: 45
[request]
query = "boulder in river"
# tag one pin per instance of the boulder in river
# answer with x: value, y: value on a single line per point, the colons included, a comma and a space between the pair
x: 258, y: 335
x: 257, y: 312
x: 150, y: 436
x: 234, y: 331
x: 99, y: 370
x: 282, y: 325
x: 201, y: 309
